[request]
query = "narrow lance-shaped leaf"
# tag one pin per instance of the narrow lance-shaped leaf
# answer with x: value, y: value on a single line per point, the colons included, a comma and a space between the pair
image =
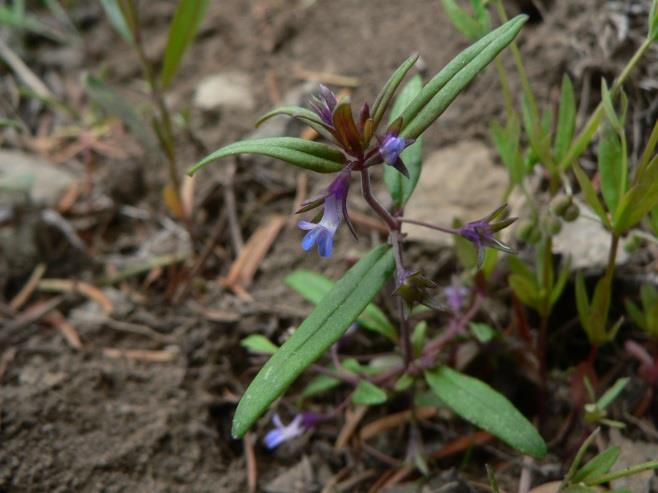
x: 182, y: 30
x: 600, y: 464
x: 566, y: 121
x: 306, y: 154
x: 590, y: 194
x: 314, y: 287
x: 444, y: 87
x: 259, y: 344
x: 303, y: 114
x: 639, y: 200
x: 368, y: 394
x: 399, y: 186
x: 326, y: 324
x: 114, y: 105
x: 385, y: 96
x: 462, y: 20
x: 115, y: 16
x: 478, y: 403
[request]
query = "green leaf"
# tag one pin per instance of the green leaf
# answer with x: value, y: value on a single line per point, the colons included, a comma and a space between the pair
x: 183, y: 28
x: 444, y: 87
x: 507, y: 143
x: 612, y: 393
x: 653, y: 21
x: 385, y: 96
x: 566, y: 120
x: 114, y: 105
x: 314, y: 287
x: 303, y: 114
x: 590, y: 195
x: 418, y: 337
x: 582, y: 304
x: 368, y: 394
x: 611, y: 169
x: 306, y: 154
x: 320, y: 385
x: 399, y: 186
x: 640, y: 199
x: 482, y: 332
x: 478, y: 403
x: 324, y: 326
x: 116, y: 18
x: 259, y: 344
x: 461, y: 19
x: 525, y: 290
x: 600, y: 464
x: 636, y: 315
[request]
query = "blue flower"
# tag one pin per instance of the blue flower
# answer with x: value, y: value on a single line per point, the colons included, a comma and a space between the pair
x: 282, y: 433
x: 335, y: 207
x: 392, y: 145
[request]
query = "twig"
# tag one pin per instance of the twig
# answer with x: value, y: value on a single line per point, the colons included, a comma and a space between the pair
x: 326, y: 77
x: 229, y: 203
x: 250, y: 458
x: 24, y: 73
x: 26, y: 291
x: 352, y: 421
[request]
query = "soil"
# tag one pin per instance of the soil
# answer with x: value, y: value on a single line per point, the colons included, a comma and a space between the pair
x: 82, y: 419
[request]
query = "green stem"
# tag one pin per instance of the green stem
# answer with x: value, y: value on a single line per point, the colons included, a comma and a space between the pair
x: 575, y: 464
x: 167, y: 138
x: 505, y: 87
x: 587, y: 133
x: 629, y: 471
x: 518, y: 61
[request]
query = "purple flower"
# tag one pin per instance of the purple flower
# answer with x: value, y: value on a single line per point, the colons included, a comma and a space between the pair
x: 324, y: 105
x: 282, y: 433
x: 392, y: 145
x: 481, y: 233
x: 455, y: 295
x: 335, y: 207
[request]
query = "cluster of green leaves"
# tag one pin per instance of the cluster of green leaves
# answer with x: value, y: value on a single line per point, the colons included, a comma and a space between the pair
x: 340, y: 304
x: 541, y: 288
x: 595, y: 411
x: 625, y: 203
x: 586, y: 478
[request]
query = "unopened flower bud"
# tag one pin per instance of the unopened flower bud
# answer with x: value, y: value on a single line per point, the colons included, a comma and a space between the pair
x: 560, y: 204
x: 571, y: 214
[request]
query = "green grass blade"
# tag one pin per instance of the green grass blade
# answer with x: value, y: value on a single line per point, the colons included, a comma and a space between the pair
x: 182, y: 30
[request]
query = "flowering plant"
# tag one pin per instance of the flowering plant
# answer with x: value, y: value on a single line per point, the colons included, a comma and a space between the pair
x: 356, y: 146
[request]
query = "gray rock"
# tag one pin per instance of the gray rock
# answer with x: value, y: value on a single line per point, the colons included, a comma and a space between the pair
x: 634, y: 452
x: 586, y: 241
x: 225, y: 90
x: 45, y: 182
x: 298, y: 478
x: 459, y: 181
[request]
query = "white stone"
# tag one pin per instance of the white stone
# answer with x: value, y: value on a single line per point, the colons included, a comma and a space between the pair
x: 225, y: 90
x: 44, y: 181
x: 459, y: 181
x: 586, y: 241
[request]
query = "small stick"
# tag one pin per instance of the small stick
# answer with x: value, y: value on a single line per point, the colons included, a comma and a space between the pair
x: 252, y: 466
x: 26, y: 291
x: 326, y: 77
x: 149, y: 356
x: 57, y: 320
x: 352, y: 421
